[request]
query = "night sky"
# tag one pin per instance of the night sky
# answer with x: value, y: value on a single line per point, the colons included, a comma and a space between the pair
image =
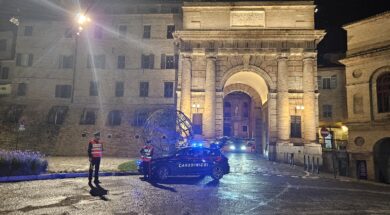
x: 333, y: 14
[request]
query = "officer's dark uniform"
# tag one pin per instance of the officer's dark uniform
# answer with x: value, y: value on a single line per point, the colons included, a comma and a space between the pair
x: 95, y: 152
x: 146, y: 156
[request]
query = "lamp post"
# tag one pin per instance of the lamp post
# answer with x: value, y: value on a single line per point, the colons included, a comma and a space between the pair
x: 197, y: 106
x: 81, y: 20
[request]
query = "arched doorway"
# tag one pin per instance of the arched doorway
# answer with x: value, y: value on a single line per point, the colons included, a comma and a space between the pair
x: 382, y: 160
x: 245, y: 106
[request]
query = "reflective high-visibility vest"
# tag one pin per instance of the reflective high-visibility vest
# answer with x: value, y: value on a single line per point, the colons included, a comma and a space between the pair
x: 147, y: 153
x: 97, y: 149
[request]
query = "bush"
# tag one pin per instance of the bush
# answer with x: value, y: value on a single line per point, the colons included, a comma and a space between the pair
x: 128, y: 166
x: 21, y: 163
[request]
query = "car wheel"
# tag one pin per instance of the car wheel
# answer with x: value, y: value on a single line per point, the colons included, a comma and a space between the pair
x: 217, y: 172
x: 162, y: 173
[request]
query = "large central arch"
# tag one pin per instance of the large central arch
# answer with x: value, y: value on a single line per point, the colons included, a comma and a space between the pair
x: 255, y: 83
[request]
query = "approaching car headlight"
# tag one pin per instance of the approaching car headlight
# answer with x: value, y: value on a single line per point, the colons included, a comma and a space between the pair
x: 243, y: 148
x: 232, y: 148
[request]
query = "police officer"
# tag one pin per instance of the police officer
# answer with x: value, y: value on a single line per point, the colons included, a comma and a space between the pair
x: 95, y: 152
x: 146, y: 156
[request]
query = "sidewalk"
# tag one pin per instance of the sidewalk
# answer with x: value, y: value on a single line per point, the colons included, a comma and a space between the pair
x: 62, y: 164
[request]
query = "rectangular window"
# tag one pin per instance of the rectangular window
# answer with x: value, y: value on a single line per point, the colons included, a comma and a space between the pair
x: 4, y: 73
x: 170, y: 30
x: 168, y: 89
x: 333, y: 82
x: 93, y: 88
x: 66, y: 62
x: 22, y: 89
x: 57, y: 115
x: 146, y: 34
x: 147, y: 61
x: 3, y: 45
x: 98, y: 32
x: 88, y: 117
x: 14, y: 113
x: 244, y: 128
x: 63, y: 91
x: 24, y: 59
x: 325, y: 83
x: 296, y: 127
x: 144, y: 89
x: 121, y: 62
x: 119, y: 89
x: 28, y: 30
x: 122, y: 31
x: 327, y: 111
x: 170, y: 62
x: 114, y: 118
x: 140, y: 118
x: 98, y: 61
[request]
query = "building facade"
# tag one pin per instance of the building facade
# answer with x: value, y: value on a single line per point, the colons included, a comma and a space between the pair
x: 135, y: 58
x: 368, y: 97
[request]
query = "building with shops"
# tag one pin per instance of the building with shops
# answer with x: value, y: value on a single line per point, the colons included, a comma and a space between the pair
x: 368, y: 97
x: 256, y: 60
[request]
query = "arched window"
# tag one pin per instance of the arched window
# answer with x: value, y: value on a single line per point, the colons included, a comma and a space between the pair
x: 383, y: 93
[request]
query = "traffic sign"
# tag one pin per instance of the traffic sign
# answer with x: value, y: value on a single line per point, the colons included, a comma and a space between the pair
x: 324, y: 132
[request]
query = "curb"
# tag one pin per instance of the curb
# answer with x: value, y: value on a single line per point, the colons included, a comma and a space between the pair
x: 59, y: 176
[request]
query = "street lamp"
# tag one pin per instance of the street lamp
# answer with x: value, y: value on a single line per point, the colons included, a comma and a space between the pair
x: 81, y: 20
x: 197, y: 106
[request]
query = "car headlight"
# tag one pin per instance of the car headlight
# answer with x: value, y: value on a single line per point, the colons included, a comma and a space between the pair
x: 243, y: 148
x: 232, y: 148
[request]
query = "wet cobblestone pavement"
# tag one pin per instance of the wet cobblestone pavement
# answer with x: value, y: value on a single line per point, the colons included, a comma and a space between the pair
x: 254, y: 186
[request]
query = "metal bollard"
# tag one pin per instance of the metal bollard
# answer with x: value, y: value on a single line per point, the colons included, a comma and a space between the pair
x: 308, y: 163
x: 318, y: 165
x: 312, y: 165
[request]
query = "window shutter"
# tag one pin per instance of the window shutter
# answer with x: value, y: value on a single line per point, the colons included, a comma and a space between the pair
x: 30, y: 59
x: 58, y: 89
x: 162, y: 61
x: 333, y: 82
x: 319, y: 82
x: 18, y: 59
x: 176, y: 61
x: 60, y: 62
x: 151, y: 61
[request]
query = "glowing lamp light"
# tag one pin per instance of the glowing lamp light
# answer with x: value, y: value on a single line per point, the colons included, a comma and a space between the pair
x: 344, y: 128
x: 82, y: 19
x: 232, y: 148
x: 299, y: 107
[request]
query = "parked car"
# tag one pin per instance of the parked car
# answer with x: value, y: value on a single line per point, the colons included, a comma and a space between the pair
x: 200, y: 161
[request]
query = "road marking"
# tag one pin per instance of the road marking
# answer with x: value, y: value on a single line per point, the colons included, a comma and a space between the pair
x: 279, y: 175
x: 294, y: 176
x: 263, y: 203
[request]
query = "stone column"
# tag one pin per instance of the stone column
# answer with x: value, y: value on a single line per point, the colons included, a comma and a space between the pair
x: 209, y: 100
x: 283, y: 105
x: 309, y: 117
x: 185, y: 100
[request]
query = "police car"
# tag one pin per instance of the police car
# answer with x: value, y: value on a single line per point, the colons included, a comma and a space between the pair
x: 200, y: 161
